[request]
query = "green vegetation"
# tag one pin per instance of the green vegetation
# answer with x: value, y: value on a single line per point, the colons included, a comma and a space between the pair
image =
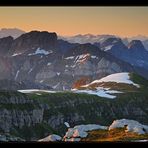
x: 77, y: 108
x: 113, y: 135
x: 26, y: 106
x: 30, y: 133
x: 13, y: 100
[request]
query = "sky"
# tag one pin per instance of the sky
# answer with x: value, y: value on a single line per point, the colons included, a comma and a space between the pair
x: 67, y: 21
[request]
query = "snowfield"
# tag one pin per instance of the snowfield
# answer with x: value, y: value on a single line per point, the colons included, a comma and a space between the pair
x: 40, y: 51
x: 35, y: 91
x: 101, y: 92
x: 107, y: 92
x: 118, y: 78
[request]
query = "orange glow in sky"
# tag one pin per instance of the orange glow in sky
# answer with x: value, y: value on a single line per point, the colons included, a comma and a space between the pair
x: 122, y: 21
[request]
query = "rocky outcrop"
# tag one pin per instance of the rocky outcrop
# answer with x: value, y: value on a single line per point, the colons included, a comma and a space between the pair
x: 5, y: 45
x: 134, y: 52
x: 33, y: 40
x: 136, y: 45
x: 17, y: 110
x: 80, y: 131
x: 131, y: 126
x: 52, y: 137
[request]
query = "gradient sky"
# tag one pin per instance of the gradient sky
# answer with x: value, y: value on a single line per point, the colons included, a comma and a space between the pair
x: 122, y: 21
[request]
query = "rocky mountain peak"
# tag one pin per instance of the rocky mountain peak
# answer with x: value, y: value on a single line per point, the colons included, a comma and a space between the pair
x: 136, y: 44
x: 86, y: 48
x: 34, y: 40
x: 110, y: 41
x: 5, y: 44
x: 114, y: 44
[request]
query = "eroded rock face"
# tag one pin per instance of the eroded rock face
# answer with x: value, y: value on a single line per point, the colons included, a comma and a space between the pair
x: 33, y: 40
x: 80, y: 131
x: 18, y: 111
x: 5, y: 45
x: 39, y: 57
x: 13, y: 118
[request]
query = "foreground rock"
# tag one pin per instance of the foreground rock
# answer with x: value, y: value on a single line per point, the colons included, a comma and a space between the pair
x: 9, y: 138
x: 131, y: 126
x: 80, y: 131
x: 52, y: 137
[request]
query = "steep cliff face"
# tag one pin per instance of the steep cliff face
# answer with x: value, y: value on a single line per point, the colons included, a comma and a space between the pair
x: 35, y: 115
x: 17, y: 110
x: 134, y: 52
x: 5, y: 45
x: 33, y: 40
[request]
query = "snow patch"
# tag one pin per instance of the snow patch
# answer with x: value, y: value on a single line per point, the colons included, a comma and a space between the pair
x: 118, y: 78
x: 35, y: 90
x: 64, y: 88
x: 16, y: 54
x: 108, y: 47
x: 48, y: 64
x: 67, y: 124
x: 55, y: 86
x: 94, y: 57
x: 41, y: 81
x: 113, y: 91
x: 30, y: 70
x: 100, y: 93
x: 73, y: 66
x: 41, y: 51
x: 58, y: 73
x: 68, y: 58
x: 17, y: 73
x: 81, y: 58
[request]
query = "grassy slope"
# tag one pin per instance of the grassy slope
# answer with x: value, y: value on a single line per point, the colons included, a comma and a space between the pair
x: 117, y: 134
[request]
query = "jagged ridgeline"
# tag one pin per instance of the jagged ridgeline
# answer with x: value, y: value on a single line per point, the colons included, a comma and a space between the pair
x: 37, y: 114
x: 43, y: 60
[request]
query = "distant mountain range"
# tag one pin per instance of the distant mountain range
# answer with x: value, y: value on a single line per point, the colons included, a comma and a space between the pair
x: 90, y: 38
x: 14, y: 32
x: 86, y: 38
x: 41, y: 59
